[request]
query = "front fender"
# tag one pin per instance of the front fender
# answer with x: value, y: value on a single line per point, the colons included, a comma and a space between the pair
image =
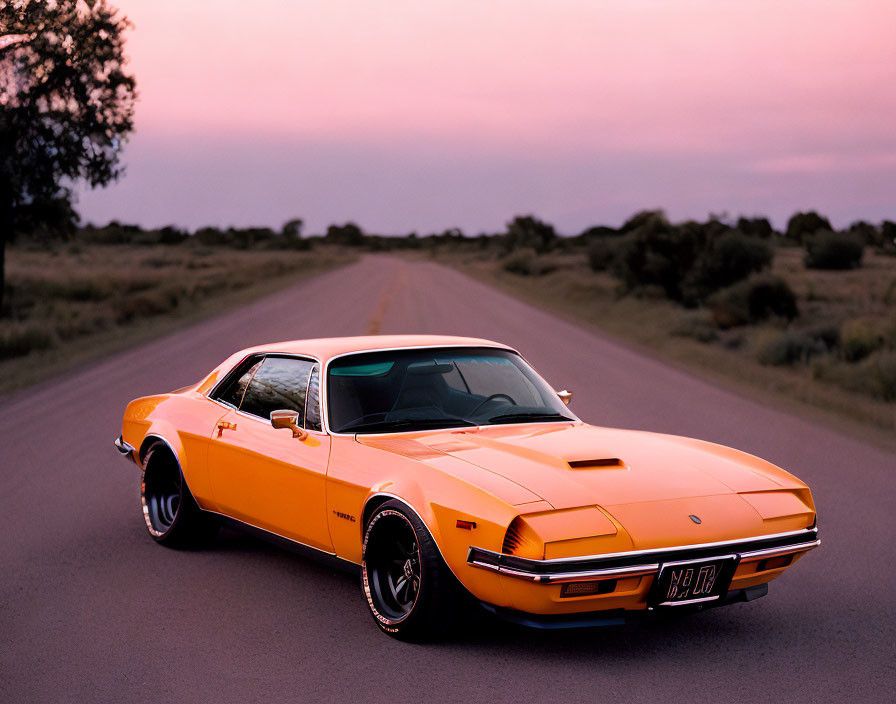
x: 456, y: 522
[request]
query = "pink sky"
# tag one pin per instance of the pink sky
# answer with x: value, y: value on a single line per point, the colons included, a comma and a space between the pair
x: 426, y: 115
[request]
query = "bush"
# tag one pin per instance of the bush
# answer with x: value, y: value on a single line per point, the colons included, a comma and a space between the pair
x: 19, y: 341
x: 888, y: 237
x: 833, y: 250
x: 145, y: 305
x: 725, y: 260
x: 527, y: 263
x: 879, y: 375
x: 755, y: 227
x: 802, y: 225
x: 348, y: 235
x: 859, y: 338
x: 529, y: 232
x: 597, y: 232
x: 827, y: 334
x: 789, y: 348
x: 658, y: 254
x: 874, y: 376
x: 600, y: 255
x: 697, y: 327
x: 688, y: 261
x: 866, y: 233
x: 750, y: 301
x: 645, y: 218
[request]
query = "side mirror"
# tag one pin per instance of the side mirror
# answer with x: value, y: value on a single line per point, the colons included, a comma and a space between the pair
x: 565, y: 396
x: 290, y: 420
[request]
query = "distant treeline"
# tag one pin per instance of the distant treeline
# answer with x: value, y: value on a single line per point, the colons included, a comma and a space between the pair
x: 522, y: 232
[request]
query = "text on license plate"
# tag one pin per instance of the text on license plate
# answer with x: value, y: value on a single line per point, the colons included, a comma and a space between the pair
x: 693, y: 581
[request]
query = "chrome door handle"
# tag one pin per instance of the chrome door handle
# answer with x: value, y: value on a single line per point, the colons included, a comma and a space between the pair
x: 224, y: 425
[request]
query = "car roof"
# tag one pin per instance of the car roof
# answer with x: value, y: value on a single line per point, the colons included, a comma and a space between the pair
x: 328, y: 347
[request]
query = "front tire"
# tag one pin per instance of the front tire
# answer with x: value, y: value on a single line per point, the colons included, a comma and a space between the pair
x: 172, y: 516
x: 411, y: 593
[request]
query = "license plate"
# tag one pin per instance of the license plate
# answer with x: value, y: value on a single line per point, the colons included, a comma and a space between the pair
x: 693, y: 581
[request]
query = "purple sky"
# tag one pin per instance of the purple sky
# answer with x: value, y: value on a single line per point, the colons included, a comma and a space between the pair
x: 408, y: 115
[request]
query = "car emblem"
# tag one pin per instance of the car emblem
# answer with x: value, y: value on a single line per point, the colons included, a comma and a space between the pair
x: 695, y: 519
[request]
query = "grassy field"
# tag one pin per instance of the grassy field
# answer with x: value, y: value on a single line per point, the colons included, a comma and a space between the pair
x: 836, y: 361
x: 70, y: 303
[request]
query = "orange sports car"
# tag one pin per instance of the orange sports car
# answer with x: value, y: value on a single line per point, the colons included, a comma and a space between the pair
x: 446, y: 467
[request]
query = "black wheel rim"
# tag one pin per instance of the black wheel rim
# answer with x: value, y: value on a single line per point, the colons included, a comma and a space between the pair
x: 161, y: 495
x: 393, y: 565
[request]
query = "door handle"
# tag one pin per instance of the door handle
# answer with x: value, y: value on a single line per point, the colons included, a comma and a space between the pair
x: 224, y: 425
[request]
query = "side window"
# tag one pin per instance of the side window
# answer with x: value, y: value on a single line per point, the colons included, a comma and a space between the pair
x: 280, y: 383
x: 312, y: 401
x: 232, y: 391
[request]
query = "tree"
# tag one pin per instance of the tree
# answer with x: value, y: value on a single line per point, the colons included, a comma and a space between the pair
x: 348, y: 235
x: 755, y: 227
x: 801, y: 225
x: 528, y: 231
x: 66, y: 107
x: 654, y: 218
x: 292, y: 229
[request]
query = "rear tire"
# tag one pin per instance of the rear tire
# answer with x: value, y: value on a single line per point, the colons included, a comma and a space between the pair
x: 172, y: 516
x: 411, y: 593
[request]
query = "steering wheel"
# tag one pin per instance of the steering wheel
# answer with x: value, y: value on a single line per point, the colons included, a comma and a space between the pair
x: 493, y: 397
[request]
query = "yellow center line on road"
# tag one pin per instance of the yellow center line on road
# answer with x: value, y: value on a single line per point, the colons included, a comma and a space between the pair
x: 376, y: 320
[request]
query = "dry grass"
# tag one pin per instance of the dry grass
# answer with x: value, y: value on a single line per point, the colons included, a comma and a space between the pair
x: 860, y: 304
x: 71, y: 303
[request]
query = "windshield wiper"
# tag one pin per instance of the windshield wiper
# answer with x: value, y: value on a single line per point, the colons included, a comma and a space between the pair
x: 418, y: 424
x: 527, y: 417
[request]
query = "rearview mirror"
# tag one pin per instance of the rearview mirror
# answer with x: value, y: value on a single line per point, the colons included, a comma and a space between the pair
x: 290, y: 420
x: 565, y: 396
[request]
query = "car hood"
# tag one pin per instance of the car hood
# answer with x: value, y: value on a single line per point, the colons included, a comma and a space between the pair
x: 571, y: 465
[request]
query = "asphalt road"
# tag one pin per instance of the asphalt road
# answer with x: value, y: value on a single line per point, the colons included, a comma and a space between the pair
x: 91, y: 609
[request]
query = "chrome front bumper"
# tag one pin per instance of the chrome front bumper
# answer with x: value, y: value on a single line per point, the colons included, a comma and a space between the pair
x: 126, y: 449
x: 639, y: 562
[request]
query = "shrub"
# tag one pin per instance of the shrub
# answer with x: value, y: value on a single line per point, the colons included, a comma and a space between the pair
x: 874, y: 376
x: 145, y: 305
x: 750, y: 301
x: 527, y: 263
x: 888, y: 237
x: 348, y: 235
x: 210, y: 236
x: 697, y: 327
x: 172, y: 235
x: 833, y: 250
x: 859, y: 338
x: 725, y: 260
x: 598, y: 232
x: 827, y: 334
x: 788, y: 348
x: 755, y: 227
x: 802, y: 225
x: 600, y: 255
x: 879, y: 375
x: 645, y: 218
x: 529, y: 232
x: 658, y: 254
x: 866, y: 233
x: 19, y: 341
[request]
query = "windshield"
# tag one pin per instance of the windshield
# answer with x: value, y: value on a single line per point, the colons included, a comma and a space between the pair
x: 420, y: 389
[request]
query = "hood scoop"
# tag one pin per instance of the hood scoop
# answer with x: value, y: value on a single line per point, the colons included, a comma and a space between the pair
x: 602, y: 463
